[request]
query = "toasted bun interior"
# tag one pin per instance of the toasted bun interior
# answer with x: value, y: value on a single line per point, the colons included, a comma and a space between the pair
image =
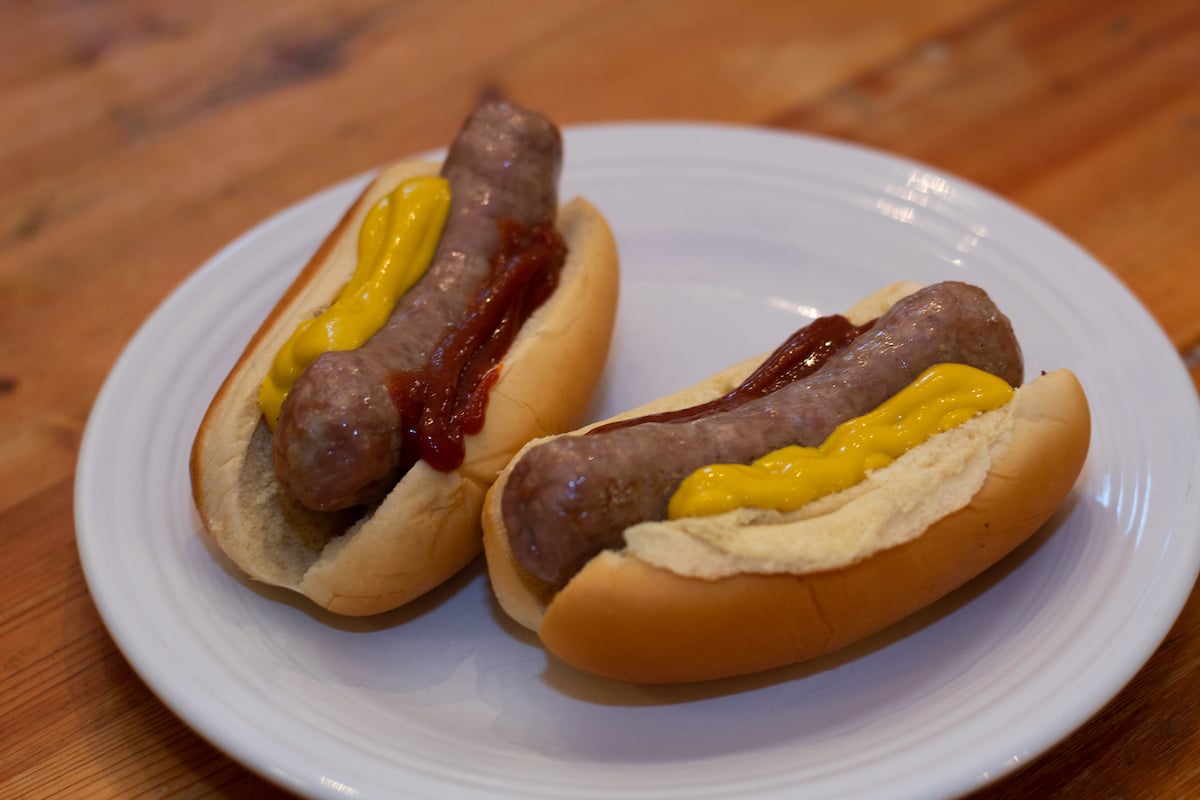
x: 427, y: 528
x: 706, y: 598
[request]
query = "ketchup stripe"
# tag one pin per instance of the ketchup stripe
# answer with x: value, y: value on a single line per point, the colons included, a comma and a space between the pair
x: 447, y: 399
x: 801, y: 355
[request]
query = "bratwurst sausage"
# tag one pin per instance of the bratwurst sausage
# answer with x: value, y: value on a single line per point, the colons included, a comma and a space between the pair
x: 339, y: 439
x: 572, y: 497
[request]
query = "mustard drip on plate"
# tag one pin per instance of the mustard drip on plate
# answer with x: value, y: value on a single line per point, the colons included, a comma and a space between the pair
x: 395, y: 246
x: 942, y: 397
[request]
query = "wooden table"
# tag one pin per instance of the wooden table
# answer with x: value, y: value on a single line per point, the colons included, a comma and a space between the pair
x: 136, y: 138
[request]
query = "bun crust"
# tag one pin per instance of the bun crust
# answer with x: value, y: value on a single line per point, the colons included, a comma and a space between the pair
x: 427, y: 528
x: 624, y: 618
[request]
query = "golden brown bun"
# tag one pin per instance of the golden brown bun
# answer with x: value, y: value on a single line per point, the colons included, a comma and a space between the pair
x: 625, y: 618
x: 427, y: 528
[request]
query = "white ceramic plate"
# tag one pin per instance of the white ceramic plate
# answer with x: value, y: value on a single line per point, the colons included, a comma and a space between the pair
x: 730, y: 238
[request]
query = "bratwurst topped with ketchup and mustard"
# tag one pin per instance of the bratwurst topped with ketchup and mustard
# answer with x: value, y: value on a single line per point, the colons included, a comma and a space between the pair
x: 454, y: 313
x: 341, y: 437
x: 625, y: 473
x: 868, y: 467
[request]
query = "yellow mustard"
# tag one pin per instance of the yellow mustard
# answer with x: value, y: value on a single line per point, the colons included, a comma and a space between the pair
x: 395, y: 245
x: 943, y: 396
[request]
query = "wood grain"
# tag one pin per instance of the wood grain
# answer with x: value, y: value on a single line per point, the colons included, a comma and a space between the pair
x: 137, y: 138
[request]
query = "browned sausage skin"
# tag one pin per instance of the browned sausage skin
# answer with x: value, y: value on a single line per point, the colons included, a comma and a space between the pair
x: 572, y: 497
x: 340, y: 437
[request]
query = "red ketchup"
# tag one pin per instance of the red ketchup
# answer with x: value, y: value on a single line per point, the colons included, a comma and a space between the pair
x: 801, y: 355
x: 447, y: 398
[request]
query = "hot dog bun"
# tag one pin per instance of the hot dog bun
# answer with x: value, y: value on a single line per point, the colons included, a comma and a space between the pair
x: 427, y: 528
x: 673, y: 607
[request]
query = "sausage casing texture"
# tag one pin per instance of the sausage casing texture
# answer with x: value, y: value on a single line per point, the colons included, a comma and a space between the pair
x: 339, y: 439
x: 571, y: 497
